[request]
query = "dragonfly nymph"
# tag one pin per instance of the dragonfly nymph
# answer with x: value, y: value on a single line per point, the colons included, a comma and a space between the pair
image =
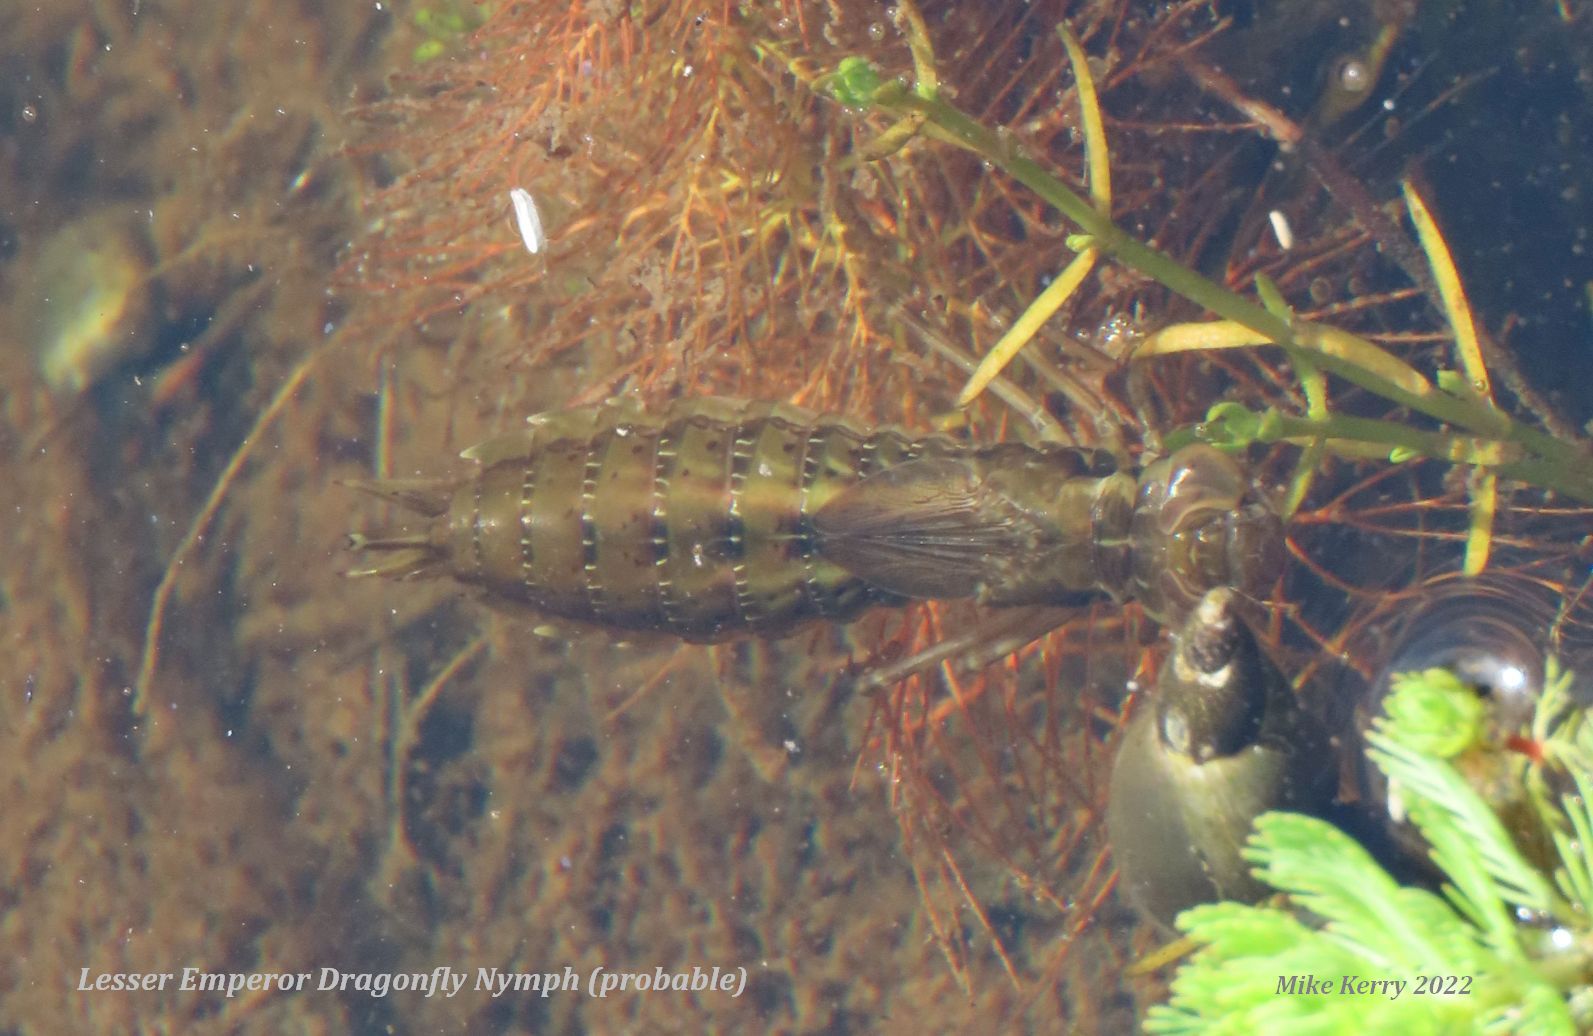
x: 714, y: 518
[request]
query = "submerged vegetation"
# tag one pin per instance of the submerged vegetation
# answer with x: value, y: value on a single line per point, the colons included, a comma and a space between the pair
x: 1506, y: 946
x: 738, y: 270
x: 349, y: 775
x: 837, y: 267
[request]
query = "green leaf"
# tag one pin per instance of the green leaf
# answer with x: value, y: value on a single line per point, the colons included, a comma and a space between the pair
x: 1347, y: 917
x: 1240, y: 930
x: 1231, y: 424
x: 1330, y: 874
x: 1469, y: 843
x: 1434, y: 713
x: 1272, y: 298
x: 855, y: 82
x: 1575, y: 874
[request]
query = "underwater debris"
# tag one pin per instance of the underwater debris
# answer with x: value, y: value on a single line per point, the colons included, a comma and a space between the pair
x: 88, y: 300
x: 1281, y: 229
x: 528, y: 220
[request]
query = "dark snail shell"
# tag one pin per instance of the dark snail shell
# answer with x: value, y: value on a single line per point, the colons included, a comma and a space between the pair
x: 1223, y: 742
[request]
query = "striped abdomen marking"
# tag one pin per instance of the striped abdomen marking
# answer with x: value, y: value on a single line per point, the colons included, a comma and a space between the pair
x: 717, y: 517
x: 694, y: 521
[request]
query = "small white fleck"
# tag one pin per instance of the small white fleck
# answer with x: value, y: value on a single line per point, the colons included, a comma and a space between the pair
x: 791, y: 747
x: 527, y: 220
x: 686, y: 72
x: 1354, y: 77
x: 1281, y: 229
x: 764, y: 470
x: 1396, y: 804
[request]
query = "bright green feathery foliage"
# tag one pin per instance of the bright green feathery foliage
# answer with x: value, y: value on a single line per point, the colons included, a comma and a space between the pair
x: 1503, y: 948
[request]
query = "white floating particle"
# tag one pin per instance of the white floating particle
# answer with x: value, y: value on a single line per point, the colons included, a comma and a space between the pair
x: 1280, y: 228
x: 527, y: 220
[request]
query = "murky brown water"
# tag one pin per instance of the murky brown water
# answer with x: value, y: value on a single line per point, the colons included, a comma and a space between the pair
x: 250, y: 250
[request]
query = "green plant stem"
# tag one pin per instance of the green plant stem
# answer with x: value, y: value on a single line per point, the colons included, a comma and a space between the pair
x: 1461, y: 449
x: 1559, y: 466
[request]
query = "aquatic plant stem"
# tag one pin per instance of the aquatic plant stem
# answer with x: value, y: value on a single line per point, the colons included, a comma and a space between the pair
x: 196, y: 532
x: 1274, y: 426
x: 1562, y: 467
x: 1097, y: 160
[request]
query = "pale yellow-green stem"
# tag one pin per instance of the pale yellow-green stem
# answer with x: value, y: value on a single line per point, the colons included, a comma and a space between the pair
x: 1097, y: 160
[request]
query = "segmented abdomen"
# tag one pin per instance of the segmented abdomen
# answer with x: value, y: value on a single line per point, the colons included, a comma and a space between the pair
x: 717, y: 517
x: 695, y: 520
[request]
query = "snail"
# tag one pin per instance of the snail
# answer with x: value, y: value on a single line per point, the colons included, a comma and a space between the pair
x: 1223, y: 742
